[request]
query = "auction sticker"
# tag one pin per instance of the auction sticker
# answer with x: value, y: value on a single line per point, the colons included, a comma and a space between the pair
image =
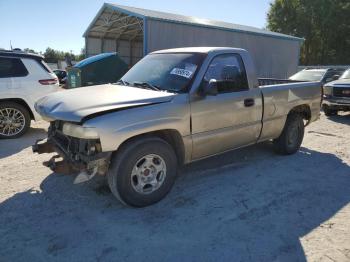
x: 182, y: 72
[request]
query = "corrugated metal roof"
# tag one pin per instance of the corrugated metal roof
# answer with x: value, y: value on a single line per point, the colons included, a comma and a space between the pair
x: 182, y: 19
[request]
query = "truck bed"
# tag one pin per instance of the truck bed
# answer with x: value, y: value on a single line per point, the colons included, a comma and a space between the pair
x: 274, y: 81
x: 279, y: 99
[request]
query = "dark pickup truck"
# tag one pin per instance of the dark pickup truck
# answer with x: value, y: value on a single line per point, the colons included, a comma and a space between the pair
x: 336, y: 95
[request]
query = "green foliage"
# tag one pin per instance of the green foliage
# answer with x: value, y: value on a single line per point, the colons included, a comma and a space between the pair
x: 325, y: 25
x: 81, y: 56
x: 52, y: 56
x: 28, y: 50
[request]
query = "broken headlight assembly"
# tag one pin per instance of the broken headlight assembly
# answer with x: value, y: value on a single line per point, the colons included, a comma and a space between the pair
x: 78, y: 131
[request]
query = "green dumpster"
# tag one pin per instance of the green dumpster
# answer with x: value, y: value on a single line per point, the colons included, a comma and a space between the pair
x: 96, y: 70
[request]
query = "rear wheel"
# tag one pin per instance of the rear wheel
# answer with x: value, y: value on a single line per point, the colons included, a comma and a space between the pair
x: 142, y: 172
x: 292, y: 135
x: 14, y: 120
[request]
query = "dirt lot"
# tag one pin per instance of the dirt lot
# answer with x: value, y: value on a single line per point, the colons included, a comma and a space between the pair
x: 248, y: 205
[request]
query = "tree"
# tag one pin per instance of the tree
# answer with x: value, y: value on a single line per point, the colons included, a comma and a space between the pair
x: 324, y: 24
x: 81, y: 56
x: 29, y: 50
x: 52, y: 56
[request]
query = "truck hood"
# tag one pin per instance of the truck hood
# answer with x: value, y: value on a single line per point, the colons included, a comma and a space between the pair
x: 75, y: 104
x: 340, y: 82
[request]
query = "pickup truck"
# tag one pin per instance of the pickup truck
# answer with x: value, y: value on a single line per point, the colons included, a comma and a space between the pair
x: 336, y: 95
x: 173, y: 107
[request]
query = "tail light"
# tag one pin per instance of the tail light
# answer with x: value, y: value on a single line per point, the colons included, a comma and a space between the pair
x: 51, y: 81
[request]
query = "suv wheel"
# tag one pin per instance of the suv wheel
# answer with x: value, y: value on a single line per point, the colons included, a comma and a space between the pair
x: 142, y: 172
x: 292, y: 135
x: 14, y: 120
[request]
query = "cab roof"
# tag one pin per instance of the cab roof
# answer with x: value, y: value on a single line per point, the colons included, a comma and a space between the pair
x: 204, y: 50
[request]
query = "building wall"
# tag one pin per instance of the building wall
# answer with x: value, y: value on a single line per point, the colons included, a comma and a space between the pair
x: 129, y: 51
x: 273, y: 57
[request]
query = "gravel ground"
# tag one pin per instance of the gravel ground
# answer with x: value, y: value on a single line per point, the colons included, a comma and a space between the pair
x: 247, y: 205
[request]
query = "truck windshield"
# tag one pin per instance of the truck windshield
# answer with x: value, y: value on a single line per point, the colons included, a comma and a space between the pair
x: 309, y: 75
x: 168, y: 71
x: 345, y: 75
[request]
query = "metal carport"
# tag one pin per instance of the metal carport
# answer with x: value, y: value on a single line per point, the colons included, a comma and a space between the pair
x: 135, y: 32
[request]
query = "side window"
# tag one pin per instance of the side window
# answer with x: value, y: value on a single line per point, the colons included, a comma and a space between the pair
x: 44, y: 66
x: 12, y: 67
x: 329, y: 76
x: 229, y: 72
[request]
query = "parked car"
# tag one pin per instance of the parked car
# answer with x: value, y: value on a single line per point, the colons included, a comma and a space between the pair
x: 336, y: 95
x: 24, y: 78
x: 173, y: 107
x: 61, y: 75
x: 321, y: 75
x: 96, y: 70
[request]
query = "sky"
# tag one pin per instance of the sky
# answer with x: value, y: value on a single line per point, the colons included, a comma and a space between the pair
x: 38, y: 24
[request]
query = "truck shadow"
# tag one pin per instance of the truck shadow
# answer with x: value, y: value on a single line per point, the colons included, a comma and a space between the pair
x: 247, y: 205
x: 343, y: 118
x: 10, y: 147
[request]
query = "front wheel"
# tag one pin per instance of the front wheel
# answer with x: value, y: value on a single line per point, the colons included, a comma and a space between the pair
x: 14, y: 120
x: 329, y: 112
x: 292, y: 135
x: 142, y: 172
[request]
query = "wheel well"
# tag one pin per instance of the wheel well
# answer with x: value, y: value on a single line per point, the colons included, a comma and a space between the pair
x: 171, y: 136
x: 20, y: 102
x: 303, y: 110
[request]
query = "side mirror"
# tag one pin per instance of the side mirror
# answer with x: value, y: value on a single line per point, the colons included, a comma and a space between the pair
x: 335, y: 77
x: 210, y: 89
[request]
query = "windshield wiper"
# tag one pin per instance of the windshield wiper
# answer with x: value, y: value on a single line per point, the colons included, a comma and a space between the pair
x: 121, y: 81
x: 147, y: 86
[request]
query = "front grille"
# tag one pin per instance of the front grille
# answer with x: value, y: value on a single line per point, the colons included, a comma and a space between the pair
x: 68, y: 144
x: 61, y: 139
x: 57, y: 125
x: 72, y: 147
x: 341, y: 92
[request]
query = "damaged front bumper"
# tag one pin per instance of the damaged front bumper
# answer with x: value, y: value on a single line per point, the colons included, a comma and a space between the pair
x: 74, y: 155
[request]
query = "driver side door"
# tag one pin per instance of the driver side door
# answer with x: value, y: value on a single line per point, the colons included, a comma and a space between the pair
x: 230, y: 119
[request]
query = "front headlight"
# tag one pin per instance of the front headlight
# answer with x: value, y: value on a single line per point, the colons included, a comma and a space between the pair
x: 327, y: 90
x: 80, y: 131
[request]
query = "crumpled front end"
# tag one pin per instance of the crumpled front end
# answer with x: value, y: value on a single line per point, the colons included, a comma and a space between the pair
x: 82, y: 155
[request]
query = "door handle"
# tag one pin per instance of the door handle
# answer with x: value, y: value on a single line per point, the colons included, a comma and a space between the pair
x: 249, y: 102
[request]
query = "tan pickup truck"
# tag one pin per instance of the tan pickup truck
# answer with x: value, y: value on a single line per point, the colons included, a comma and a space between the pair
x: 173, y: 107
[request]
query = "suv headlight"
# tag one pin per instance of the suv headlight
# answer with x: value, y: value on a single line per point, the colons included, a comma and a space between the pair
x: 80, y: 131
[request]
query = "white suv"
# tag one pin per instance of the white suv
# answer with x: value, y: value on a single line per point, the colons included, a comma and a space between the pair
x: 24, y: 78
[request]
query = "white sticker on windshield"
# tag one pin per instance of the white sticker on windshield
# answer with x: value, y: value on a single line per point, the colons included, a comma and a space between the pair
x: 182, y: 72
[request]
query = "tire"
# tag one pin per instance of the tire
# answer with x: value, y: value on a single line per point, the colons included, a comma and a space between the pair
x: 329, y: 112
x: 127, y: 187
x: 292, y: 135
x: 22, y: 117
